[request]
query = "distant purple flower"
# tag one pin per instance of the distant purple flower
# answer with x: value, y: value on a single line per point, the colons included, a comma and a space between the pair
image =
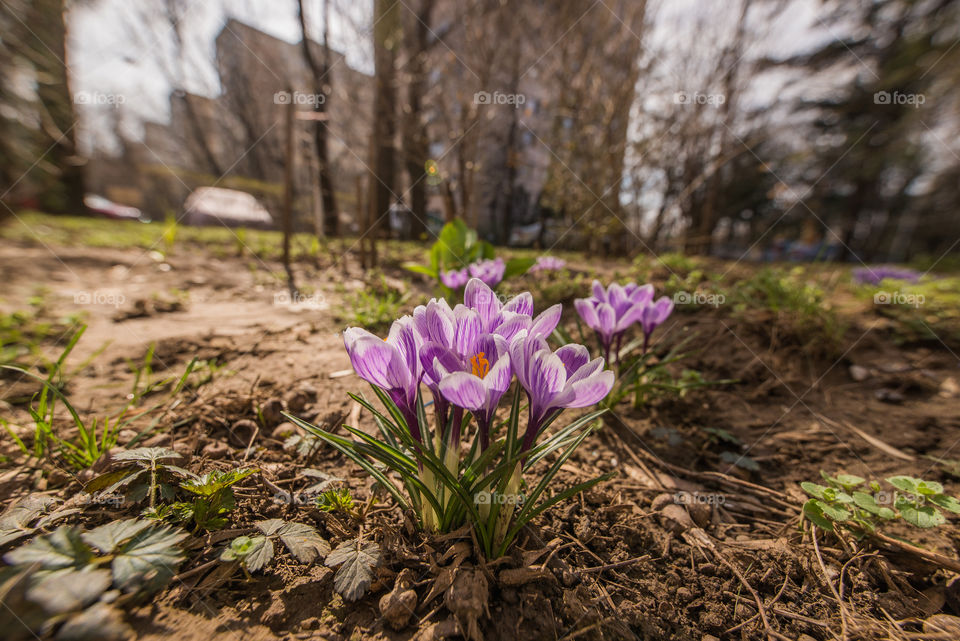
x: 653, y: 316
x: 610, y: 312
x: 392, y: 364
x: 566, y: 378
x: 489, y: 271
x: 455, y: 278
x: 876, y: 275
x: 547, y: 263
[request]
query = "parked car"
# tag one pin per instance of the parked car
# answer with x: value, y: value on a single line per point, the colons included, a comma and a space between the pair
x: 218, y: 206
x: 109, y: 209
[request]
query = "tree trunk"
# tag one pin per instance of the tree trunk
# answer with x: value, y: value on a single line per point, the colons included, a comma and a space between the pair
x: 321, y: 82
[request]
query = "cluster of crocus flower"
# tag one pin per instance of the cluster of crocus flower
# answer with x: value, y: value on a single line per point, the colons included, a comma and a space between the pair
x: 876, y: 275
x: 468, y: 357
x: 547, y: 263
x: 490, y: 271
x: 612, y: 311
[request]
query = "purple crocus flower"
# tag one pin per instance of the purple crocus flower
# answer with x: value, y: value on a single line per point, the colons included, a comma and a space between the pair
x: 509, y: 319
x: 454, y: 278
x: 876, y: 275
x: 653, y: 316
x: 479, y: 388
x: 547, y: 263
x: 610, y: 312
x: 566, y: 378
x: 489, y: 271
x: 392, y: 364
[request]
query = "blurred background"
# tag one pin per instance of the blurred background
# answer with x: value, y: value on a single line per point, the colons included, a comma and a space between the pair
x: 763, y: 129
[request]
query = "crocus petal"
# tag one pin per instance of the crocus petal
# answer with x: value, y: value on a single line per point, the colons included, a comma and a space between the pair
x: 642, y: 294
x: 379, y: 363
x: 480, y: 298
x: 464, y: 390
x: 546, y: 322
x: 437, y: 360
x: 633, y: 314
x: 439, y: 323
x: 599, y: 292
x: 607, y: 318
x: 588, y: 312
x: 547, y: 376
x: 405, y: 338
x: 574, y: 357
x: 467, y: 331
x: 586, y: 392
x: 512, y: 325
x: 586, y: 371
x: 520, y: 304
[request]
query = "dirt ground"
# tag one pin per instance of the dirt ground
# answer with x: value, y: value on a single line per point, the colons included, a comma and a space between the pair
x: 627, y: 560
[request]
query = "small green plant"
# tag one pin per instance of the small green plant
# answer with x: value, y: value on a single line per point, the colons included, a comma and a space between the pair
x: 212, y: 499
x: 143, y: 473
x: 253, y: 553
x: 375, y: 306
x: 455, y: 249
x: 850, y: 502
x: 80, y: 580
x: 801, y: 307
x: 90, y: 442
x: 334, y: 500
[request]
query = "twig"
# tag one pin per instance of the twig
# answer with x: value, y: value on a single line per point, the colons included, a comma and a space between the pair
x: 826, y: 577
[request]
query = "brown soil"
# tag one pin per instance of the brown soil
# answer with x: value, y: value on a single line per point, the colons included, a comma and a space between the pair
x: 624, y: 561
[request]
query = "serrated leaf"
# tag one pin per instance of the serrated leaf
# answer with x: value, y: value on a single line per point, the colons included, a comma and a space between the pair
x: 213, y: 482
x: 100, y: 622
x: 22, y: 513
x: 67, y: 590
x: 925, y: 516
x: 62, y: 548
x: 113, y: 479
x: 946, y: 502
x: 150, y: 454
x: 149, y: 559
x: 303, y: 541
x: 356, y: 563
x: 254, y: 552
x: 813, y: 511
x: 108, y: 538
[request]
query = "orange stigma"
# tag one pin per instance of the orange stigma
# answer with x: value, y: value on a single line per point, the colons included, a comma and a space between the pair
x: 481, y: 366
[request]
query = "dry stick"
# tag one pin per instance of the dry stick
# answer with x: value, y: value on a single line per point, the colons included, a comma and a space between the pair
x: 826, y: 577
x: 941, y: 560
